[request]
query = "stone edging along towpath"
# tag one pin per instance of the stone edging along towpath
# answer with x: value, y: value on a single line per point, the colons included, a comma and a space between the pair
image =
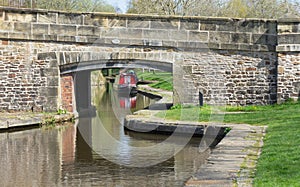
x: 28, y: 119
x: 232, y: 162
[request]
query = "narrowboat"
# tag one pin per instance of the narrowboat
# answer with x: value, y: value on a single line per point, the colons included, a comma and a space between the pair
x: 126, y: 83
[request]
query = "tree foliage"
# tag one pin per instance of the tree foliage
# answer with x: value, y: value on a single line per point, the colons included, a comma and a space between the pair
x: 65, y: 5
x: 260, y: 8
x: 236, y: 8
x: 175, y: 7
x: 228, y: 8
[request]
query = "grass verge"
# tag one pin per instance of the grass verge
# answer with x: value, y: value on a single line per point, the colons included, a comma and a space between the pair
x: 279, y: 162
x: 161, y: 80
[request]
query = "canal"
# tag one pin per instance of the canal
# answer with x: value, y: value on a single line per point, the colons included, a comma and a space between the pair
x: 95, y: 151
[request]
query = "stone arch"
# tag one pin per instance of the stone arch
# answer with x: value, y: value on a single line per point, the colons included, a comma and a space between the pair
x: 69, y: 63
x: 117, y: 63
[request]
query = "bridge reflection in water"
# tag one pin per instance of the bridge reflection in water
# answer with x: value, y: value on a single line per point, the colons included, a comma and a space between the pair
x: 68, y: 155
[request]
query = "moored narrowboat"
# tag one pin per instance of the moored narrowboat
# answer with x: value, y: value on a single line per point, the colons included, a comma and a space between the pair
x: 126, y: 82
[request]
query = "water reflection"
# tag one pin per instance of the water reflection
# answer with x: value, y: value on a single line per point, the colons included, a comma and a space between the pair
x: 34, y: 157
x: 173, y: 172
x: 63, y: 156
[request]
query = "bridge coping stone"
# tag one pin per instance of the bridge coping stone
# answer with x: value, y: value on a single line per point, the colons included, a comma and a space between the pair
x: 174, y: 31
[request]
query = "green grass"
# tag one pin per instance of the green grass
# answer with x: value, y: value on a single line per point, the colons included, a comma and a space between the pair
x: 279, y: 162
x: 162, y: 80
x: 187, y: 113
x: 280, y: 159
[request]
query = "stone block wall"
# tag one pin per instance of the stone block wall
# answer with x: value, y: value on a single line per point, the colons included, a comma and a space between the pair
x: 288, y: 76
x: 26, y: 82
x: 288, y: 59
x: 227, y: 78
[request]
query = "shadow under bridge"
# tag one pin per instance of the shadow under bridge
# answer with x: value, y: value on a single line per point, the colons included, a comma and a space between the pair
x: 115, y: 63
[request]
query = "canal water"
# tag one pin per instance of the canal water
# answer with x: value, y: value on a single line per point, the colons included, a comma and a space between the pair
x: 85, y: 154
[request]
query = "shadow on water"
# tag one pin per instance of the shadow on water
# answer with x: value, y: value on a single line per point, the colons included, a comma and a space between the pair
x: 158, y: 138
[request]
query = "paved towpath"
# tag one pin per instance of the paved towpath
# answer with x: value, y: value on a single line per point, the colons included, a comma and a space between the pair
x: 232, y: 162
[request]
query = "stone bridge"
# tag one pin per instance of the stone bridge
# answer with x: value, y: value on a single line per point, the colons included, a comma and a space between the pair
x: 46, y: 56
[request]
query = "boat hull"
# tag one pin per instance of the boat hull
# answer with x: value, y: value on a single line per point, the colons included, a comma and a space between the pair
x: 126, y: 90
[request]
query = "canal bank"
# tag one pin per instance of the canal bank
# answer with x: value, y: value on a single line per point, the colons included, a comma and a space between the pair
x: 231, y: 162
x: 15, y: 120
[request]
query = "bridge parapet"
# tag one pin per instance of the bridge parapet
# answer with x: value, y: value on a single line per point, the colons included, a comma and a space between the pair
x: 187, y: 33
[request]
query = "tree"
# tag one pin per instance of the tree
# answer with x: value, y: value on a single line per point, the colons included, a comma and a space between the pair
x: 270, y: 8
x: 175, y: 7
x: 229, y: 8
x: 92, y: 6
x: 204, y: 8
x: 161, y: 7
x: 65, y: 5
x: 236, y: 8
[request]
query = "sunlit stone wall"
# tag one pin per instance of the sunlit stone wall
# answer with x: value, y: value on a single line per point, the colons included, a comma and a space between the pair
x: 228, y: 61
x: 288, y: 59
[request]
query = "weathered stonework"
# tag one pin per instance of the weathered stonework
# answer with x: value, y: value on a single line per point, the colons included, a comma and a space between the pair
x: 288, y: 76
x: 228, y: 61
x: 288, y: 59
x: 226, y: 77
x: 162, y: 31
x: 26, y: 83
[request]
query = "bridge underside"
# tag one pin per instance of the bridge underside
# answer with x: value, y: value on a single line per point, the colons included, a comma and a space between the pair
x: 116, y: 63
